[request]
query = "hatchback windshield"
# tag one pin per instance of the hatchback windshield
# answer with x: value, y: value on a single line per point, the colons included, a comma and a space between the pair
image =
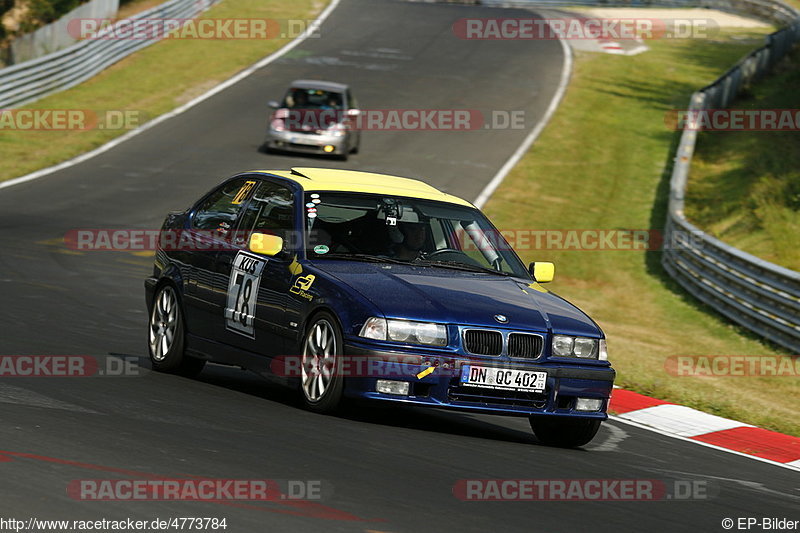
x: 397, y: 229
x: 298, y: 98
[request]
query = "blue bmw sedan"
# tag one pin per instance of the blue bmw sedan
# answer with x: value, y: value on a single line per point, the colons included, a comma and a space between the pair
x: 346, y: 284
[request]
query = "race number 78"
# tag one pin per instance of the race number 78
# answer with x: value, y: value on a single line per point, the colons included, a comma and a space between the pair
x: 240, y: 308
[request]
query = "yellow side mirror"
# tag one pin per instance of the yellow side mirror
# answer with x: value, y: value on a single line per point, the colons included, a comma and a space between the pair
x: 543, y: 271
x: 265, y: 244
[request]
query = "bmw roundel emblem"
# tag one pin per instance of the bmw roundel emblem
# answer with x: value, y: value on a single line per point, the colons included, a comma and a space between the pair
x: 501, y: 318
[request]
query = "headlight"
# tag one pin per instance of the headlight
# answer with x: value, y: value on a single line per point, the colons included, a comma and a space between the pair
x: 277, y: 125
x: 582, y: 347
x: 337, y: 130
x: 408, y: 331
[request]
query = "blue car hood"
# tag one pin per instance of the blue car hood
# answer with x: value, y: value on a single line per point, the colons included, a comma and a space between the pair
x: 459, y: 297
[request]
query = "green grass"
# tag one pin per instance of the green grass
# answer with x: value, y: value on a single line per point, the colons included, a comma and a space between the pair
x: 151, y: 82
x: 603, y: 162
x: 744, y: 187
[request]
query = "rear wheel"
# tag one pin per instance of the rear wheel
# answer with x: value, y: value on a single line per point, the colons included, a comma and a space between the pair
x: 321, y: 380
x: 564, y: 432
x: 166, y: 336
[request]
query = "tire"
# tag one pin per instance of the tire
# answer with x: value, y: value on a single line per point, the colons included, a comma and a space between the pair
x: 321, y: 381
x: 564, y: 432
x: 166, y: 335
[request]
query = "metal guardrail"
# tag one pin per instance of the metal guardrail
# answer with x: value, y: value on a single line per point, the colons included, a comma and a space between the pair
x: 56, y: 35
x: 31, y: 80
x: 759, y: 295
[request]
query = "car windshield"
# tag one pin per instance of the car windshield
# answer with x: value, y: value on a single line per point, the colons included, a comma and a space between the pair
x: 366, y: 227
x: 302, y: 98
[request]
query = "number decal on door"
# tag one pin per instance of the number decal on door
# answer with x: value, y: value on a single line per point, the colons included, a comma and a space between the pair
x: 240, y: 309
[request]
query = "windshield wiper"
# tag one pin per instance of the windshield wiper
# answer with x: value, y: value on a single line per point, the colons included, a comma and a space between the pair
x: 364, y: 257
x: 457, y: 265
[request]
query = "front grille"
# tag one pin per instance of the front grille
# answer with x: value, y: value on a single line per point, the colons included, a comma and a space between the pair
x: 483, y: 342
x: 525, y: 345
x: 299, y: 146
x: 477, y: 395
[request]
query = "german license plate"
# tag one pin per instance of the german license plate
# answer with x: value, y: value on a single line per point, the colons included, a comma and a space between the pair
x: 503, y: 378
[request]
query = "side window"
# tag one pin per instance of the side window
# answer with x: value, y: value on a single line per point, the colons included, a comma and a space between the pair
x: 271, y: 210
x: 219, y: 210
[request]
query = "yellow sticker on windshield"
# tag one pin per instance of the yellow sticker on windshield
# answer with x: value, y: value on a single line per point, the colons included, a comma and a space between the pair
x: 243, y: 192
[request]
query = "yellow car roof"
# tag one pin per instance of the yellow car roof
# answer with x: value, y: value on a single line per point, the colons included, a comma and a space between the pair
x: 330, y: 179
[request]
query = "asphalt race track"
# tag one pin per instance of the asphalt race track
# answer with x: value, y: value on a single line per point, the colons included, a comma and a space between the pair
x: 381, y: 469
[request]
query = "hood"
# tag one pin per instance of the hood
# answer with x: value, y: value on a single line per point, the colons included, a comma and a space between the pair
x: 458, y: 297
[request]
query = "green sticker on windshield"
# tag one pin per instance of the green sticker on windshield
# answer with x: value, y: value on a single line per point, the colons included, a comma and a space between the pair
x: 321, y: 249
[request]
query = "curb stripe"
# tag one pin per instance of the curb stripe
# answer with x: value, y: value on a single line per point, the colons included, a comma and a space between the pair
x: 624, y: 401
x: 704, y: 428
x: 757, y: 441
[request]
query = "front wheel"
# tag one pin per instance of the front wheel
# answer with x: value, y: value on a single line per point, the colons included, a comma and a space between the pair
x: 564, y: 432
x: 321, y: 380
x: 166, y: 336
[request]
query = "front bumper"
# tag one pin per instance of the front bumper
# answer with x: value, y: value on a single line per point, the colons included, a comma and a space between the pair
x: 442, y: 388
x: 306, y: 142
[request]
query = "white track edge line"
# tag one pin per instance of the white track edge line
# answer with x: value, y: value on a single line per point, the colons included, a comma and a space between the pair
x: 177, y: 111
x: 498, y: 178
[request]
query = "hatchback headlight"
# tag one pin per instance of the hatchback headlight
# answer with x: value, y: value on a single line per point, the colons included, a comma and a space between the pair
x: 407, y: 331
x: 337, y: 130
x: 582, y: 347
x: 277, y: 125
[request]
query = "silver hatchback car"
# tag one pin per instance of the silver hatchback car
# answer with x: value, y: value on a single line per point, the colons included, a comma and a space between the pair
x: 315, y: 117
